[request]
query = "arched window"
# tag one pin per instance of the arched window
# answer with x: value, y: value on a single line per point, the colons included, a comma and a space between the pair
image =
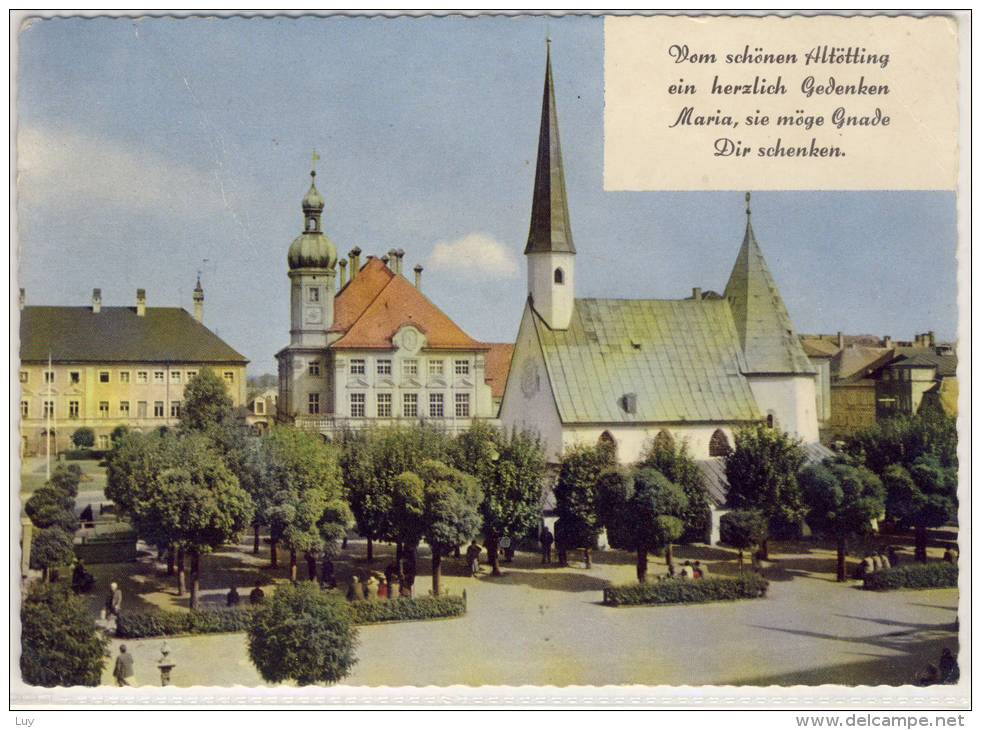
x: 771, y: 422
x: 559, y: 276
x: 719, y: 443
x: 663, y: 441
x: 608, y: 443
x: 311, y: 224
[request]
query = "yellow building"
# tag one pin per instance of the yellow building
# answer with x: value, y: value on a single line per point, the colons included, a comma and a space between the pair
x: 112, y: 366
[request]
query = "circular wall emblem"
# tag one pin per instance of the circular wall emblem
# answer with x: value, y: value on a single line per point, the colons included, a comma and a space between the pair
x: 410, y: 338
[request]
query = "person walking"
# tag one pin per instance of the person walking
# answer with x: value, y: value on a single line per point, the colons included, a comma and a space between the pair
x: 547, y: 539
x: 506, y: 548
x: 473, y: 557
x: 371, y: 588
x: 124, y: 667
x: 114, y: 601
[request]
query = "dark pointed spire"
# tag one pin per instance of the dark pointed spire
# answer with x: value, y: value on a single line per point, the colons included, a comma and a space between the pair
x: 550, y: 230
x: 759, y: 313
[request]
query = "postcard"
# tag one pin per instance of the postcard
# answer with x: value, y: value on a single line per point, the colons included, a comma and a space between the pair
x: 493, y: 359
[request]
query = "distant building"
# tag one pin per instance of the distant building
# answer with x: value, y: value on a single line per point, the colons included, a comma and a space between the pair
x: 373, y: 349
x: 630, y: 371
x: 872, y: 377
x: 262, y: 410
x: 113, y: 366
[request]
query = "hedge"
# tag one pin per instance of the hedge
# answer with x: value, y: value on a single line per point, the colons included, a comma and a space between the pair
x: 677, y: 590
x: 408, y: 609
x: 84, y: 454
x: 913, y: 575
x: 224, y: 620
x: 171, y: 623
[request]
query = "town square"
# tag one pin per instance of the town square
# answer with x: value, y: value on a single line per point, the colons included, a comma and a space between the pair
x: 680, y: 439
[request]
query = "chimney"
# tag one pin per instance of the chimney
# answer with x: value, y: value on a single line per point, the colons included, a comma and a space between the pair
x: 140, y: 302
x: 96, y: 301
x: 887, y: 342
x: 696, y: 293
x: 355, y: 256
x: 343, y: 264
x: 931, y: 339
x: 841, y: 341
x: 385, y: 259
x: 22, y: 298
x: 399, y: 254
x: 418, y: 270
x: 393, y: 260
x: 198, y: 297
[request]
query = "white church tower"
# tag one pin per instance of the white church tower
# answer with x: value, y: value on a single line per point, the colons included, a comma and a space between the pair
x: 551, y: 256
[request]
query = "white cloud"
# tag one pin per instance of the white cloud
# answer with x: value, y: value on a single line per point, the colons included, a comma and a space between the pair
x: 72, y: 170
x: 475, y: 254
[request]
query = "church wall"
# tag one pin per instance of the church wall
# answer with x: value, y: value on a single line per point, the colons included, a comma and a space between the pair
x: 632, y: 439
x: 528, y: 402
x: 792, y: 399
x: 554, y: 302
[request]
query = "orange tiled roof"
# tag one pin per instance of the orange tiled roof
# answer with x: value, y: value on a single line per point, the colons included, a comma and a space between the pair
x: 373, y: 307
x: 498, y: 365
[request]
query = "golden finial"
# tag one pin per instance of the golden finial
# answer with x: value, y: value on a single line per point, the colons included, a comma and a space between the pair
x: 748, y: 211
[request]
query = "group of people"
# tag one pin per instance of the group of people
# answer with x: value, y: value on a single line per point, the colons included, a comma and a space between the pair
x: 877, y: 561
x: 378, y: 587
x: 689, y: 571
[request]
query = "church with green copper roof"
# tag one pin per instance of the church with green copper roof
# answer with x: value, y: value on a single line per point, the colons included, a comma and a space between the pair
x: 628, y: 371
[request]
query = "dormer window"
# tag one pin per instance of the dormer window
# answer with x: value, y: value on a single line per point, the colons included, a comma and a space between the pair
x: 559, y: 276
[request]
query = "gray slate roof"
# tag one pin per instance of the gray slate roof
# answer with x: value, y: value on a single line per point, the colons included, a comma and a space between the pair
x: 117, y: 334
x: 680, y: 357
x: 761, y: 318
x: 945, y: 364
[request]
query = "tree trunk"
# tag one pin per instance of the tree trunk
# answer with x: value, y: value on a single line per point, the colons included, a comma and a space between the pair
x: 921, y: 544
x: 437, y: 567
x: 399, y: 553
x: 765, y: 550
x: 740, y: 560
x: 195, y: 578
x: 587, y: 557
x: 311, y: 567
x: 44, y: 574
x: 344, y: 542
x: 641, y: 565
x: 841, y: 560
x: 170, y: 560
x: 181, y: 574
x: 293, y: 565
x: 669, y: 556
x: 255, y: 540
x: 493, y: 548
x: 371, y: 550
x: 273, y: 553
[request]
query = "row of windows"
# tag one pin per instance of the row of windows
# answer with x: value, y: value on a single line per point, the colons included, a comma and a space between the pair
x: 410, y: 368
x: 48, y: 409
x: 410, y: 405
x: 142, y: 376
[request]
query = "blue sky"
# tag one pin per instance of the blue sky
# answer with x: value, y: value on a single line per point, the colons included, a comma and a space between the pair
x: 148, y: 146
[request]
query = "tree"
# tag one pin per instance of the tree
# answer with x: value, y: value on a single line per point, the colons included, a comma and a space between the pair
x: 674, y: 461
x: 641, y: 510
x: 843, y: 501
x: 65, y: 479
x: 207, y: 403
x: 743, y: 530
x: 304, y: 478
x: 575, y: 495
x: 117, y: 434
x: 83, y: 438
x: 922, y: 496
x: 60, y: 644
x: 451, y: 511
x: 334, y: 524
x: 762, y: 474
x: 904, y: 439
x: 44, y: 501
x: 52, y: 514
x: 302, y: 634
x: 510, y: 469
x: 176, y: 490
x: 51, y: 548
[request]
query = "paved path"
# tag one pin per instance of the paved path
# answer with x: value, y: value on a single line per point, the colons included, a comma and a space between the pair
x: 546, y: 626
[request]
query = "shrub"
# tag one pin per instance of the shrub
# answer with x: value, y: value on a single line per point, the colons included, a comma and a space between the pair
x: 83, y: 438
x: 84, y: 455
x: 913, y: 575
x: 408, y: 609
x: 676, y: 590
x: 172, y: 623
x: 60, y: 644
